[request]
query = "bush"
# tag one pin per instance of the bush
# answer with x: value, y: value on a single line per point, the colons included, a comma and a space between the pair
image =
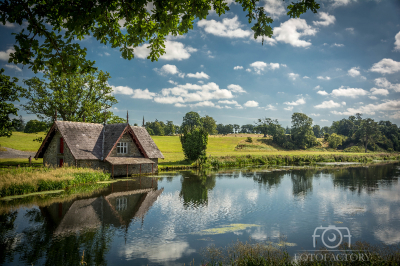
x: 249, y: 139
x: 335, y: 140
x: 194, y: 143
x: 326, y: 136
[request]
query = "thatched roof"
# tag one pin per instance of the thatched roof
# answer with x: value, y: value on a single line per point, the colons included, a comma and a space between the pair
x: 85, y: 140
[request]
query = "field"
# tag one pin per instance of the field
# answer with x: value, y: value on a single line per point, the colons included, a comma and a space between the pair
x: 171, y: 148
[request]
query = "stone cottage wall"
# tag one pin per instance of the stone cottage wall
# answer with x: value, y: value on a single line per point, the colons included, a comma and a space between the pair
x: 133, y: 150
x: 52, y: 154
x: 134, y: 169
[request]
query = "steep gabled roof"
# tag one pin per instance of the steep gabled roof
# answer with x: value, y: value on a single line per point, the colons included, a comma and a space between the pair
x: 147, y: 142
x: 85, y: 140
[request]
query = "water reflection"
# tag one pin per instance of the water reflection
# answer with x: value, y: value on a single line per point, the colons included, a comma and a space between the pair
x: 135, y: 222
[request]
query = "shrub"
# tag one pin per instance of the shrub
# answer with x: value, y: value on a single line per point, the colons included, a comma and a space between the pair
x: 326, y: 136
x: 335, y: 140
x: 249, y: 139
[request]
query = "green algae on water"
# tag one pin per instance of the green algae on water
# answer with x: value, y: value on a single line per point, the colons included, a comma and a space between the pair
x: 226, y: 229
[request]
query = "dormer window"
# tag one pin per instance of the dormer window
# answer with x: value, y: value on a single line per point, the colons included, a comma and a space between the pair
x: 122, y: 148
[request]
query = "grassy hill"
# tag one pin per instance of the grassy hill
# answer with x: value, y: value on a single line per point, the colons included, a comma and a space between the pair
x: 170, y: 146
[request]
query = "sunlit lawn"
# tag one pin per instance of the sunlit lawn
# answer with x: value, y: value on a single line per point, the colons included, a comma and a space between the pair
x: 22, y: 141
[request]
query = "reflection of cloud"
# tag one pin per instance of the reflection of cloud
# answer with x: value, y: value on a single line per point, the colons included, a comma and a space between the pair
x: 259, y: 235
x: 389, y: 236
x: 252, y: 195
x: 156, y: 251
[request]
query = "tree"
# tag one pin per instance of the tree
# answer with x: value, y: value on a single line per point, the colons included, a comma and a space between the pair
x: 317, y: 131
x: 335, y: 140
x: 236, y: 128
x: 191, y: 120
x: 224, y: 129
x: 194, y: 142
x: 302, y: 133
x: 76, y: 97
x: 52, y: 26
x: 112, y: 119
x: 18, y: 124
x: 9, y: 92
x: 368, y: 132
x: 209, y: 124
x: 267, y: 126
x: 169, y: 128
x: 34, y: 126
x: 249, y: 128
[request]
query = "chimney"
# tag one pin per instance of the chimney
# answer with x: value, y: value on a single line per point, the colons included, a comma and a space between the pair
x: 104, y: 135
x: 127, y: 117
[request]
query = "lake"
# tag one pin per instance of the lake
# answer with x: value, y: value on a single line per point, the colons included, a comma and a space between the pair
x: 171, y: 218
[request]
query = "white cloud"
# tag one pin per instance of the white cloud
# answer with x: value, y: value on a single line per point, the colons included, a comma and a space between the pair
x: 305, y: 77
x: 13, y: 67
x: 293, y: 76
x: 292, y: 30
x: 205, y: 104
x: 180, y: 105
x: 349, y: 92
x: 259, y: 66
x: 229, y: 102
x: 236, y: 88
x: 397, y: 42
x: 386, y: 66
x: 168, y: 99
x: 173, y: 82
x: 326, y: 19
x: 323, y: 78
x: 230, y: 28
x: 173, y: 51
x: 323, y: 120
x: 270, y: 107
x: 353, y: 72
x: 6, y: 55
x: 327, y: 105
x: 298, y: 102
x: 373, y: 97
x: 275, y: 8
x: 370, y: 109
x: 251, y: 104
x: 237, y: 67
x: 337, y: 3
x: 338, y: 45
x: 289, y: 108
x: 384, y: 83
x: 169, y: 70
x: 248, y: 70
x: 317, y: 87
x: 344, y: 103
x: 107, y: 54
x: 143, y: 94
x: 198, y: 75
x: 375, y: 91
x: 8, y: 25
x: 200, y: 81
x: 122, y: 90
x: 322, y: 93
x: 351, y: 30
x: 315, y: 114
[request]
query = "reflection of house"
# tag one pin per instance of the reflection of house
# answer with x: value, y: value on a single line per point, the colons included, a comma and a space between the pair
x: 117, y: 148
x: 118, y: 206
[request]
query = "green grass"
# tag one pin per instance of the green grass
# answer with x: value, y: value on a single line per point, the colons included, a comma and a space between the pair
x: 14, y: 162
x: 22, y: 141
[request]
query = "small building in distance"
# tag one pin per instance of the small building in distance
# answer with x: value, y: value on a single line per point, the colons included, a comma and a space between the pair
x: 120, y: 149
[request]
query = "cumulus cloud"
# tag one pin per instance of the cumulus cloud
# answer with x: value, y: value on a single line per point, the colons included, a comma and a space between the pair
x: 292, y: 30
x: 289, y: 108
x: 397, y: 42
x: 323, y: 120
x: 237, y: 67
x: 122, y: 90
x: 230, y: 102
x: 260, y: 66
x: 275, y: 8
x: 298, y: 102
x: 351, y: 30
x: 6, y: 55
x: 173, y: 51
x: 384, y: 83
x: 315, y: 114
x: 248, y: 69
x: 199, y: 75
x: 270, y: 107
x: 230, y: 28
x: 386, y: 66
x: 337, y: 3
x: 353, y: 72
x: 305, y: 77
x: 317, y: 87
x: 169, y: 70
x: 143, y: 94
x: 349, y: 92
x: 375, y: 91
x: 236, y: 88
x: 251, y: 104
x: 325, y: 18
x: 327, y: 105
x: 370, y: 109
x: 323, y: 78
x: 13, y: 67
x: 338, y: 45
x: 322, y: 93
x: 373, y: 97
x: 293, y: 76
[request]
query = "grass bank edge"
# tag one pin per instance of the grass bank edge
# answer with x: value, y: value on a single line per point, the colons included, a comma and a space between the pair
x: 24, y: 180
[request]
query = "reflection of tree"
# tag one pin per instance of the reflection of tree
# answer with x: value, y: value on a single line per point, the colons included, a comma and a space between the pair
x: 365, y: 178
x: 195, y: 188
x: 302, y: 184
x: 7, y: 237
x: 267, y: 179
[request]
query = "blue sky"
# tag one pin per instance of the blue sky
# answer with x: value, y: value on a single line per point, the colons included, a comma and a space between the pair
x: 343, y: 60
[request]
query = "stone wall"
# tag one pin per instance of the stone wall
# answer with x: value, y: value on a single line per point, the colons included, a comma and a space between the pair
x: 133, y: 150
x: 135, y: 169
x: 52, y: 155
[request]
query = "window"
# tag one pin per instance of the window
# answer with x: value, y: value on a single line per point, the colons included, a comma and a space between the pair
x: 121, y: 204
x: 122, y: 147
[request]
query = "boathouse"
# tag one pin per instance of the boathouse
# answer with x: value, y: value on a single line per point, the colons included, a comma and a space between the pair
x: 120, y: 149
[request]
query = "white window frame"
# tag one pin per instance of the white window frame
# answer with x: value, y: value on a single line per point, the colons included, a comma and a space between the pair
x: 121, y: 204
x: 122, y: 147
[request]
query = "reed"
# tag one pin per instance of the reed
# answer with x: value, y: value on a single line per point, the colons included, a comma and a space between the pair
x: 23, y: 180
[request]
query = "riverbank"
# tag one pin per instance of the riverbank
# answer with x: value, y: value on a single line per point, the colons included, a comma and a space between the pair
x: 24, y: 180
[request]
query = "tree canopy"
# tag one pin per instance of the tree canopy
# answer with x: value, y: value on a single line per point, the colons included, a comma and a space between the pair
x: 53, y: 26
